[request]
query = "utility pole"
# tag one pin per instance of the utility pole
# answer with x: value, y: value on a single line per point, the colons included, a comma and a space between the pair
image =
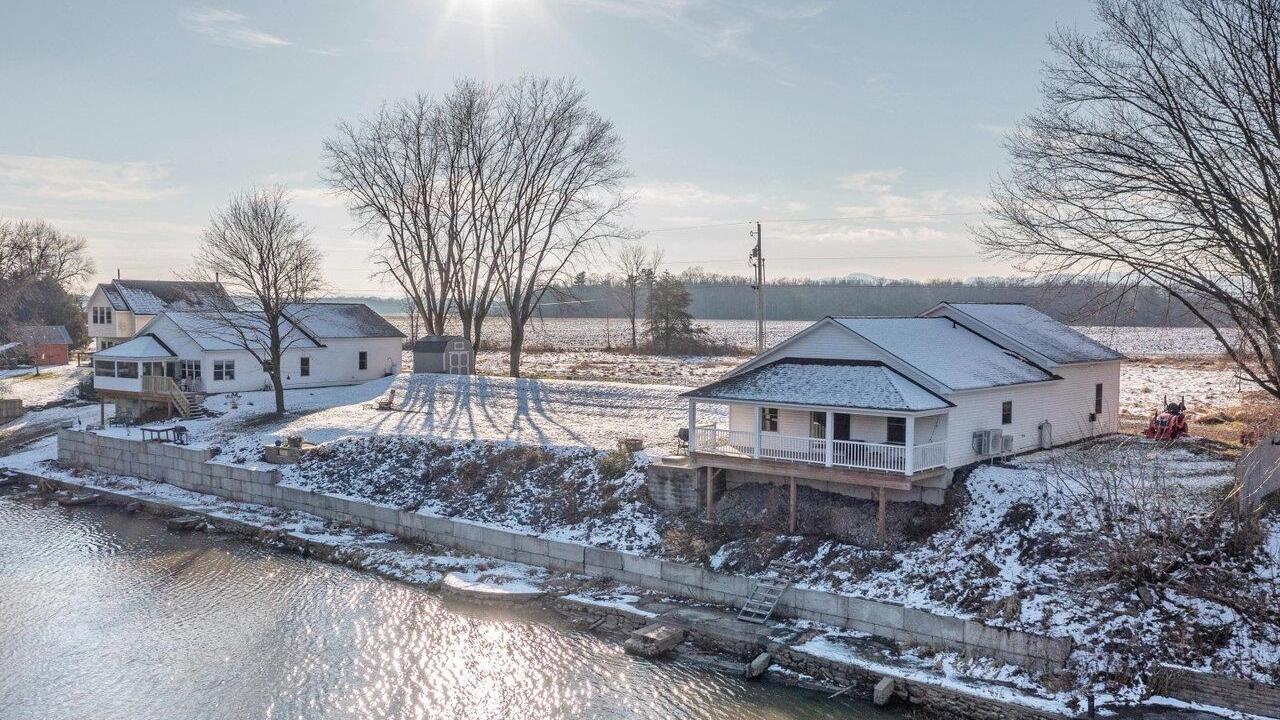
x: 757, y: 261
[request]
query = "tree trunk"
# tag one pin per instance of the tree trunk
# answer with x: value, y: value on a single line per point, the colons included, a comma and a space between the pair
x: 517, y: 345
x: 278, y: 385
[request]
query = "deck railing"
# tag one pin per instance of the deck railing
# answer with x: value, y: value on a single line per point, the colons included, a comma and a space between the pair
x: 884, y: 457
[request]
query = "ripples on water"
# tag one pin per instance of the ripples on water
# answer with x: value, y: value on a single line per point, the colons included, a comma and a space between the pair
x: 107, y: 616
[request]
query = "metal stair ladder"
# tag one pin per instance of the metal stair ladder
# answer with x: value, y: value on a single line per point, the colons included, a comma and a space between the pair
x: 764, y: 598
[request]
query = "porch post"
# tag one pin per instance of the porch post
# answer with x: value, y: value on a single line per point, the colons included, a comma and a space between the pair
x: 791, y: 516
x: 693, y: 425
x: 909, y: 447
x: 831, y: 436
x: 755, y: 451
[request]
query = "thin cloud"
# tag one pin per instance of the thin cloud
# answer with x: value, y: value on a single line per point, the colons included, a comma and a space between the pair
x: 226, y: 27
x: 67, y: 178
x: 1000, y: 130
x: 683, y: 194
x: 872, y: 181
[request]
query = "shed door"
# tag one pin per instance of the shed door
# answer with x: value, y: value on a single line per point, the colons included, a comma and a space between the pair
x: 456, y: 362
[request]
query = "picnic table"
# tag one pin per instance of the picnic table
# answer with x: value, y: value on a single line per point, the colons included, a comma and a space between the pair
x: 176, y: 434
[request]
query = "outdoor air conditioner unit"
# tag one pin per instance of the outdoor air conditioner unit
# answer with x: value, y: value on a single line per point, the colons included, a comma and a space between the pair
x: 988, y: 442
x: 1006, y: 445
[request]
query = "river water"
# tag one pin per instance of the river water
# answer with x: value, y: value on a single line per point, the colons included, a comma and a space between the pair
x: 106, y: 616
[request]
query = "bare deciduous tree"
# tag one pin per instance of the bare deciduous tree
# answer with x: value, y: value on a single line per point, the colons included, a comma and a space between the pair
x: 490, y: 192
x: 566, y: 196
x: 427, y: 176
x: 265, y: 258
x: 1156, y: 160
x: 635, y: 265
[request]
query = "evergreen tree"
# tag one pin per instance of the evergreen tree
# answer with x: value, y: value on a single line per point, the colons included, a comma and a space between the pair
x: 668, y: 321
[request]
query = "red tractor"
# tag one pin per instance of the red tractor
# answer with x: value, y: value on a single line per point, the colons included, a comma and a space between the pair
x: 1170, y: 424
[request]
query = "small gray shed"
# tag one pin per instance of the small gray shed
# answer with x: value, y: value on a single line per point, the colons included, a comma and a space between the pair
x: 450, y: 354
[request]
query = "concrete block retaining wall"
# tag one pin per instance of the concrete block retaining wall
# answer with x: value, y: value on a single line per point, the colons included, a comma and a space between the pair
x: 192, y: 470
x: 1208, y: 689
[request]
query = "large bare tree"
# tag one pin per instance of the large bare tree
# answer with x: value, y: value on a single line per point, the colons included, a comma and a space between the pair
x: 636, y: 265
x: 425, y: 175
x: 1155, y: 160
x: 566, y: 197
x: 267, y: 261
x: 488, y: 193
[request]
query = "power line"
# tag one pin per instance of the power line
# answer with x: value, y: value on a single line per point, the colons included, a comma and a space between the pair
x: 826, y: 219
x: 836, y: 257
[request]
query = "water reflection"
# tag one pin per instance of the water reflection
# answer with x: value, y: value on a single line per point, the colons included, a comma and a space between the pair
x: 107, y: 616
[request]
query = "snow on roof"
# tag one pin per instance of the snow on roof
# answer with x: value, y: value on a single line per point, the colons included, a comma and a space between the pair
x: 6, y: 347
x: 341, y: 320
x: 152, y: 297
x: 43, y: 334
x: 824, y: 383
x: 113, y: 297
x: 143, y: 346
x: 1033, y: 329
x: 946, y: 351
x: 213, y: 332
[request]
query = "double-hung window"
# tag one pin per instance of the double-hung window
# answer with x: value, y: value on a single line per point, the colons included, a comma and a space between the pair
x: 224, y: 370
x: 769, y: 419
x: 304, y: 366
x: 101, y: 315
x: 1097, y: 399
x: 1006, y: 412
x: 364, y: 360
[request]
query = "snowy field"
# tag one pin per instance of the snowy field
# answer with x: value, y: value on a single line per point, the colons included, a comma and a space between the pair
x: 598, y: 333
x: 604, y: 365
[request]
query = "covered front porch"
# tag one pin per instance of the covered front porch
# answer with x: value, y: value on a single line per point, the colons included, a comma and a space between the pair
x: 901, y: 444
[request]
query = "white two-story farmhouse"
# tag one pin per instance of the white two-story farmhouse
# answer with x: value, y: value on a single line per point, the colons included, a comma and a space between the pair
x: 887, y: 408
x: 118, y: 309
x: 180, y: 356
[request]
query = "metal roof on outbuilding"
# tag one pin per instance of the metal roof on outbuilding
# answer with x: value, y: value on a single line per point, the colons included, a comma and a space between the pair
x: 43, y: 334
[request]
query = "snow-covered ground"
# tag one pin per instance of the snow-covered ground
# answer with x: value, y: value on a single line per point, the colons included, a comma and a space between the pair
x: 558, y: 413
x: 1021, y: 553
x: 1145, y: 386
x: 609, y: 365
x: 54, y: 383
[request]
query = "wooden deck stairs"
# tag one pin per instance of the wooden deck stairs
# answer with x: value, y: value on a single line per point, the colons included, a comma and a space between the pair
x: 764, y: 598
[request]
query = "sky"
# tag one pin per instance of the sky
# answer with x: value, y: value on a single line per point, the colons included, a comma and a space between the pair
x: 863, y: 135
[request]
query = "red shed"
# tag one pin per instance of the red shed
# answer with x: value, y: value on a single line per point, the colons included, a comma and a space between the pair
x: 45, y: 344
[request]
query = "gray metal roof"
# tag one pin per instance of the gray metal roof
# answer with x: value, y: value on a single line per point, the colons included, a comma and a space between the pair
x: 436, y: 343
x: 341, y: 320
x: 947, y: 351
x: 852, y: 384
x: 1033, y: 329
x: 43, y: 334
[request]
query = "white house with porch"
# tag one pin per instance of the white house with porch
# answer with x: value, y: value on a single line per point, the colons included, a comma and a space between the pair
x: 887, y: 408
x: 179, y: 357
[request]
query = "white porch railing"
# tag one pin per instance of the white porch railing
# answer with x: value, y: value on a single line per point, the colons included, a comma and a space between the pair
x: 930, y: 455
x: 884, y: 457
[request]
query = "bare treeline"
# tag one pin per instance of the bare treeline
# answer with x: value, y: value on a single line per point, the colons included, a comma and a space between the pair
x: 482, y: 198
